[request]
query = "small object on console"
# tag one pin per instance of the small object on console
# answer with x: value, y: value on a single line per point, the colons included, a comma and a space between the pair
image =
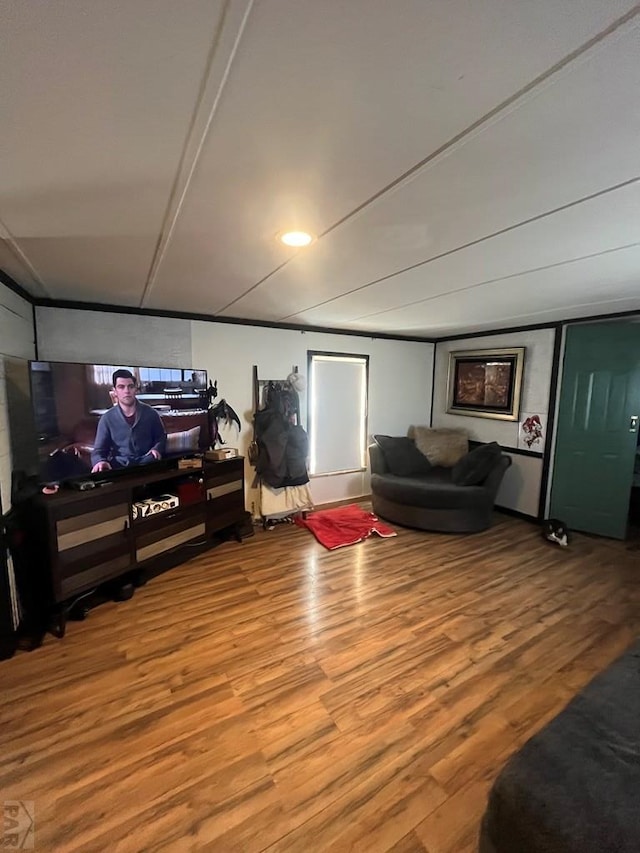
x: 190, y: 492
x: 221, y: 453
x: 190, y: 463
x: 152, y: 506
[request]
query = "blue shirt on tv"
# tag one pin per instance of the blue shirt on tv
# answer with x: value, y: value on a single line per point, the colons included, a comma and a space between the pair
x: 122, y: 445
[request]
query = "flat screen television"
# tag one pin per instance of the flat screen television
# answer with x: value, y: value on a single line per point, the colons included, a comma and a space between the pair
x: 88, y: 429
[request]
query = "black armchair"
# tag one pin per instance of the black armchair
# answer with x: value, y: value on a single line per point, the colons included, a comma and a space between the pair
x: 430, y: 500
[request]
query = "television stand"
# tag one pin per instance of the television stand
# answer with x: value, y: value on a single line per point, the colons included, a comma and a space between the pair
x: 122, y: 532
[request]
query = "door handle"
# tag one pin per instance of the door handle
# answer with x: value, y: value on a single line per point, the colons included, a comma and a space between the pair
x: 633, y: 423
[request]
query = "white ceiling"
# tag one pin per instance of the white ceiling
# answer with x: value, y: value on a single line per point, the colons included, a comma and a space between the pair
x: 466, y: 166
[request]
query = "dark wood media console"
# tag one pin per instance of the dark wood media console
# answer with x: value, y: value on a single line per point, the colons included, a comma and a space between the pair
x: 79, y: 540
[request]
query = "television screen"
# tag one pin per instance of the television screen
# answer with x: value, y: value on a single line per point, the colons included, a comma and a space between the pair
x: 93, y: 420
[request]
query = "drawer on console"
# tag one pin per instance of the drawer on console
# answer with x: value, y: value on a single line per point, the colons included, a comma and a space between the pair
x: 169, y: 542
x: 226, y: 502
x: 218, y: 473
x: 161, y: 539
x: 225, y: 510
x: 77, y: 577
x: 90, y: 563
x: 219, y: 490
x: 91, y: 527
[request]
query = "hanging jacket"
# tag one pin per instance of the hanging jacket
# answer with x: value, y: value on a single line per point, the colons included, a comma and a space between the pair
x: 282, y: 450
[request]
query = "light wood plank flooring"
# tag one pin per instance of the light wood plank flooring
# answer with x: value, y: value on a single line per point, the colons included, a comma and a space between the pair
x: 274, y: 696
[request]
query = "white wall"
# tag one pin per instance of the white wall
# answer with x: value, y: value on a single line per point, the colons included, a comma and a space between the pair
x: 400, y: 373
x: 110, y: 338
x: 16, y: 340
x: 520, y: 488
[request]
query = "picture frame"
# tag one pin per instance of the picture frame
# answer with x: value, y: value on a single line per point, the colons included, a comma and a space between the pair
x: 486, y: 383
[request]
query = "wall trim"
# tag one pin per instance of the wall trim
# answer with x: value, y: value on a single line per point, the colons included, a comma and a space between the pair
x: 517, y: 451
x: 17, y: 288
x: 212, y: 318
x: 9, y: 282
x: 520, y: 451
x: 510, y: 330
x: 569, y: 321
x: 35, y: 331
x: 551, y: 415
x: 517, y: 514
x: 433, y: 384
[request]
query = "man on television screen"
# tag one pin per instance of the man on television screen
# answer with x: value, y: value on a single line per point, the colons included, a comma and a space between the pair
x: 131, y: 433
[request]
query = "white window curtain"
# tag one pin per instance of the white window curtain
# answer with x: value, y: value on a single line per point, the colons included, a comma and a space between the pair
x: 337, y: 412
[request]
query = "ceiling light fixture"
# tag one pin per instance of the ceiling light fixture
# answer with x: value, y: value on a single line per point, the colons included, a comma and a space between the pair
x: 297, y: 239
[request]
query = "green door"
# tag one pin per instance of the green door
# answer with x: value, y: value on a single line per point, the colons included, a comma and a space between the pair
x: 597, y: 428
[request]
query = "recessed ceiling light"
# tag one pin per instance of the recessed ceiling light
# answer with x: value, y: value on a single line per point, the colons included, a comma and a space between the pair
x: 296, y: 238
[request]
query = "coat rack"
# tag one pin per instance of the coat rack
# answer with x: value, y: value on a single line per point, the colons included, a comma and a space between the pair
x: 277, y: 399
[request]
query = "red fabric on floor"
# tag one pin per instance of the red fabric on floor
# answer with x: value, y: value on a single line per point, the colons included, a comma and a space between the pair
x: 344, y: 525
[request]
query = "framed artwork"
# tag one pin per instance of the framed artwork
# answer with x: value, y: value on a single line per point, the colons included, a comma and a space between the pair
x: 533, y: 428
x: 486, y: 383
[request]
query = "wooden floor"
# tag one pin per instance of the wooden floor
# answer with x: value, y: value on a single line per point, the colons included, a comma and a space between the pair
x: 275, y: 696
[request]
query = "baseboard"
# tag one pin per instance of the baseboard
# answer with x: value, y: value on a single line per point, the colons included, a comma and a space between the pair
x: 515, y: 513
x: 345, y: 502
x: 367, y: 498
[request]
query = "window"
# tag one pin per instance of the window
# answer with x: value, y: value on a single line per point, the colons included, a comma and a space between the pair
x: 168, y: 375
x: 102, y: 373
x: 337, y: 405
